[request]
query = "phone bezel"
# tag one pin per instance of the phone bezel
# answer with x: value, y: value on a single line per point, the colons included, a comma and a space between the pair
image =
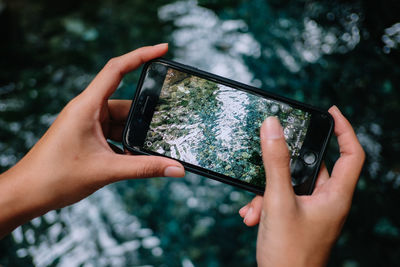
x: 305, y: 188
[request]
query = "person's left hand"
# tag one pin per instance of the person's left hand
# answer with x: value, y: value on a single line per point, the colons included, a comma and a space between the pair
x: 73, y: 158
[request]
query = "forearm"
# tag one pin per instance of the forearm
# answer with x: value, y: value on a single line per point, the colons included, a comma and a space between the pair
x: 20, y: 198
x: 284, y: 250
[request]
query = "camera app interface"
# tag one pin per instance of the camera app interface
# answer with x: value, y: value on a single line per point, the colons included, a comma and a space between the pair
x: 217, y: 127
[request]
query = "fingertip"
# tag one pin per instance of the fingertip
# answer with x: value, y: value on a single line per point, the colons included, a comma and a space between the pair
x: 243, y: 211
x: 271, y: 129
x: 173, y: 168
x: 143, y: 166
x: 335, y: 111
x: 162, y: 45
x: 342, y: 124
x: 333, y: 108
x: 248, y: 218
x: 174, y: 171
x: 252, y: 218
x: 161, y: 49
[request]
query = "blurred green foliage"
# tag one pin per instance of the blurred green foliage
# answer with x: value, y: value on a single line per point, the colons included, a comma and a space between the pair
x: 320, y: 52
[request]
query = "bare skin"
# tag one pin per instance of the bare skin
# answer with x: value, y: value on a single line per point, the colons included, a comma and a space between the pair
x: 301, y: 230
x: 73, y: 159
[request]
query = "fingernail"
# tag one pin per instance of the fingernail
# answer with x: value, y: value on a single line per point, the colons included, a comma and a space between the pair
x: 272, y: 129
x: 160, y: 45
x: 336, y: 109
x: 174, y: 171
x: 242, y: 210
x: 248, y: 214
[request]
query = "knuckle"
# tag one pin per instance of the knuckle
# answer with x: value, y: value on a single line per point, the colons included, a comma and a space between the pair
x: 358, y: 150
x: 279, y: 159
x: 354, y: 148
x: 72, y: 106
x: 362, y: 152
x: 285, y: 157
x: 274, y: 203
x: 113, y: 64
x: 150, y: 169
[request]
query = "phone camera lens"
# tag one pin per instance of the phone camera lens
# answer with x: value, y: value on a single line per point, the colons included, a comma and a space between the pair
x: 309, y: 158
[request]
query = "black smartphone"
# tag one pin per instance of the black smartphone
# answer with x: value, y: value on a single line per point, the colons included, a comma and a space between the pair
x: 211, y: 125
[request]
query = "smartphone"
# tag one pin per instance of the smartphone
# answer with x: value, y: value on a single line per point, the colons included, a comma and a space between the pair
x: 212, y: 126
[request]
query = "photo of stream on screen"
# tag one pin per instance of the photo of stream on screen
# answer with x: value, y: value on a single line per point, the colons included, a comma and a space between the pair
x: 216, y: 127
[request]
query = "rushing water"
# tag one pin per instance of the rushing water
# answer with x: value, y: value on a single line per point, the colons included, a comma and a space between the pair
x: 80, y: 234
x: 217, y: 127
x: 231, y: 116
x: 99, y: 231
x: 322, y: 53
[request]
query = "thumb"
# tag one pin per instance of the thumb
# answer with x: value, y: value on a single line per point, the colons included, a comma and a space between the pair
x: 122, y: 167
x: 276, y: 159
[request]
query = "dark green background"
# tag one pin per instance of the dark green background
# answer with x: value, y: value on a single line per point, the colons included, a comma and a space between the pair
x: 320, y: 52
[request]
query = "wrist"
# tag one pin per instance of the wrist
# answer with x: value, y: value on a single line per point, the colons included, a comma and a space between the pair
x: 278, y: 254
x: 292, y: 259
x: 20, y: 199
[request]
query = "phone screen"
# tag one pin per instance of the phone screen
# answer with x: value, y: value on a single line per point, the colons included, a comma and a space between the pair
x: 216, y: 127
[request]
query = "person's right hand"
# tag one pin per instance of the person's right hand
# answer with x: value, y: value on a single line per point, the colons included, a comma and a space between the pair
x: 301, y: 230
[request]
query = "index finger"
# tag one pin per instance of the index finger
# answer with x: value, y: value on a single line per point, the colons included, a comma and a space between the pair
x: 347, y: 168
x: 108, y: 79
